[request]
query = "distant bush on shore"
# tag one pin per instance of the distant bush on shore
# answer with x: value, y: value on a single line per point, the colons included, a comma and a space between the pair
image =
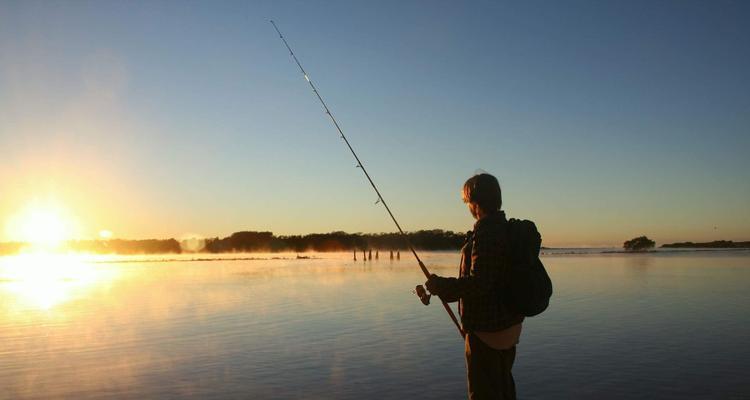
x: 640, y: 243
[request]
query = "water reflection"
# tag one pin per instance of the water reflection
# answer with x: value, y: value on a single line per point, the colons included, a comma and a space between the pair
x: 44, y: 281
x: 639, y: 262
x: 333, y: 328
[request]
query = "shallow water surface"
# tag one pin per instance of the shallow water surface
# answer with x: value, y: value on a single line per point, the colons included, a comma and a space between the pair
x: 620, y: 326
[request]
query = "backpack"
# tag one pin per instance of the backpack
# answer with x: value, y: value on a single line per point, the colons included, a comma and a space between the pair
x: 530, y: 287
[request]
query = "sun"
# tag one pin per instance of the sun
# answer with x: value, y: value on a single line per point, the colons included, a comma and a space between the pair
x: 41, y: 225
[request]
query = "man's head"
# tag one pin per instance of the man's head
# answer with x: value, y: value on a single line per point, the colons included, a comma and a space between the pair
x: 482, y: 193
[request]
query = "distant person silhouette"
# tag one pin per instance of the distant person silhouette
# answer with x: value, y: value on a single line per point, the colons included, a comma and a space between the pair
x: 492, y: 328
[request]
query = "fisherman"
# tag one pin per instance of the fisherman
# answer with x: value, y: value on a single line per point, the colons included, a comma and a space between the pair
x: 491, y: 329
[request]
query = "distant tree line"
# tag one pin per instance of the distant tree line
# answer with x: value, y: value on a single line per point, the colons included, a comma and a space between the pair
x: 253, y: 241
x: 716, y: 244
x: 122, y: 246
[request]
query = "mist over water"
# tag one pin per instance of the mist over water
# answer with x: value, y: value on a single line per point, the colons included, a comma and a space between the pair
x: 622, y: 326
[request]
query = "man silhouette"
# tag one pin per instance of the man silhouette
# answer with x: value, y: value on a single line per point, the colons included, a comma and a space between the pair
x: 491, y: 328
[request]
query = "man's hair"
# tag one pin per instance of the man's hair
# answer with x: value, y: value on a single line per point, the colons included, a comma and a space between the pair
x: 484, y: 191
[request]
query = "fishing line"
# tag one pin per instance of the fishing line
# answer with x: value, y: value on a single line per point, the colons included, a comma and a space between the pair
x: 367, y: 175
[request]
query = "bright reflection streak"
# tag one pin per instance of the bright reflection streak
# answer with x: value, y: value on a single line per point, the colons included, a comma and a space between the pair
x: 43, y: 281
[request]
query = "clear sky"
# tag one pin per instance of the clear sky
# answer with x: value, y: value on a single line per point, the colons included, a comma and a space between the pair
x: 602, y: 120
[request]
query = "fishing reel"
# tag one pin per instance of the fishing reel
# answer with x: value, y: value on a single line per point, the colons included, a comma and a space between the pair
x: 421, y: 292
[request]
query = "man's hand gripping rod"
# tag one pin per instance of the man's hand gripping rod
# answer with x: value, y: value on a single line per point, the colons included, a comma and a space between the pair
x: 362, y: 167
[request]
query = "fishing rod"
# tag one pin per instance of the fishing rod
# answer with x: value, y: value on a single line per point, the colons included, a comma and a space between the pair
x: 369, y: 179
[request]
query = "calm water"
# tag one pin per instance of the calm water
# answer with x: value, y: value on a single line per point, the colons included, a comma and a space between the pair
x: 667, y: 326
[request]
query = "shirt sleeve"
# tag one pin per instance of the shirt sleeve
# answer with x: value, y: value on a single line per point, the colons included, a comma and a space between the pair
x: 484, y: 274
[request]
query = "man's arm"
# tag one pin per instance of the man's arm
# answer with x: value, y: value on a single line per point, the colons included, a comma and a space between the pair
x: 486, y: 268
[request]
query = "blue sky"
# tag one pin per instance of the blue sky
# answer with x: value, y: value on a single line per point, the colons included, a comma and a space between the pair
x: 602, y: 120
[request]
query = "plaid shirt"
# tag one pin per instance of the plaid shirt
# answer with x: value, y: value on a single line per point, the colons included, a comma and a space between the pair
x: 483, y: 276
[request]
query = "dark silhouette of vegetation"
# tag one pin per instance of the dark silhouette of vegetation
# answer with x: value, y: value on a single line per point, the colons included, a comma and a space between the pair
x: 121, y: 246
x: 640, y: 243
x: 436, y: 239
x: 252, y: 241
x: 716, y: 244
x: 246, y: 242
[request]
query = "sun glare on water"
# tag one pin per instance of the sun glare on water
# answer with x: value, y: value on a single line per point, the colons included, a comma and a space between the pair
x: 43, y: 275
x: 38, y: 281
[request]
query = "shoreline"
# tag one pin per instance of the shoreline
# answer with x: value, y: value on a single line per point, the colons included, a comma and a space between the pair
x: 313, y: 255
